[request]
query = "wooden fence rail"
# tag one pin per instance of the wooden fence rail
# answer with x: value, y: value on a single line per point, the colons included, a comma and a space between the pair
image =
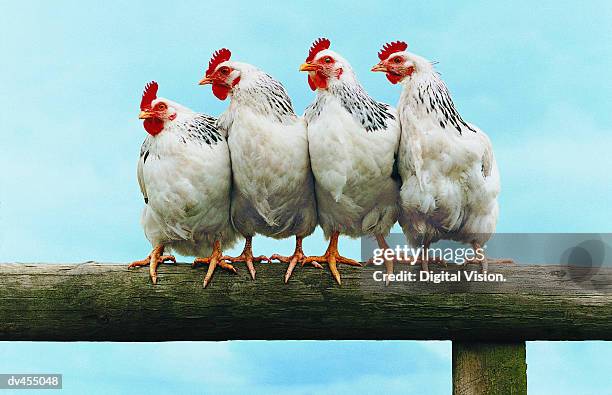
x: 488, y: 322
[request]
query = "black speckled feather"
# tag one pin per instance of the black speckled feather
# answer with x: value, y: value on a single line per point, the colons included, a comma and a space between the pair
x: 434, y: 95
x: 203, y: 128
x: 200, y: 129
x: 371, y: 114
x: 269, y: 97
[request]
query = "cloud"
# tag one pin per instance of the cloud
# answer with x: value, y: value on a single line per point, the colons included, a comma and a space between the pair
x: 567, y: 368
x: 70, y: 142
x: 441, y: 349
x: 356, y: 383
x: 556, y: 169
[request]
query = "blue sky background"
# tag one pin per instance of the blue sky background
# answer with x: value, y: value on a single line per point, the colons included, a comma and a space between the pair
x: 535, y: 77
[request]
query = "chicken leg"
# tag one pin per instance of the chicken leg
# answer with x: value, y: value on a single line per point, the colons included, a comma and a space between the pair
x: 153, y: 260
x: 298, y: 256
x: 216, y: 258
x: 247, y: 257
x: 424, y: 259
x: 333, y: 257
x: 382, y: 244
x: 484, y: 261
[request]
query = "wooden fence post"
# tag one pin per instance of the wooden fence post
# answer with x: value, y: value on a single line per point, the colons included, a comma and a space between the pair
x: 489, y: 368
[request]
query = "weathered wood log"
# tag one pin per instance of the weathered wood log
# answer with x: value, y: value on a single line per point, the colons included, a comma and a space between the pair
x: 95, y: 302
x: 489, y: 368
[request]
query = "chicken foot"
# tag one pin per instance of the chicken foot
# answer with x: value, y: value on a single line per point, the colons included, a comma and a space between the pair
x: 154, y: 259
x: 215, y: 259
x: 332, y: 257
x: 297, y: 257
x: 247, y: 257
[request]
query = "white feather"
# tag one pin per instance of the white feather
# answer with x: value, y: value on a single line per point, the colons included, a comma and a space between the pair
x: 450, y: 179
x: 273, y: 187
x: 356, y: 194
x: 187, y: 186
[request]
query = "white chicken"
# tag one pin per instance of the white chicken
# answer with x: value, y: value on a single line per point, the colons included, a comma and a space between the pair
x: 184, y: 174
x: 273, y: 192
x: 353, y: 140
x: 450, y: 177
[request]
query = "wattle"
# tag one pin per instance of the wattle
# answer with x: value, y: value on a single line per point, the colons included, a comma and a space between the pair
x: 311, y: 83
x: 317, y: 80
x: 221, y: 91
x: 393, y: 78
x: 153, y: 126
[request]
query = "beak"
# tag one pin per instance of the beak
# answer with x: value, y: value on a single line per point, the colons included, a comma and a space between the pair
x: 145, y: 114
x: 380, y: 67
x: 308, y: 67
x: 206, y: 80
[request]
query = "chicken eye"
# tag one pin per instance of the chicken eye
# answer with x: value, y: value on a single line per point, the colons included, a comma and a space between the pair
x: 397, y: 59
x: 327, y: 59
x: 224, y: 70
x: 161, y: 106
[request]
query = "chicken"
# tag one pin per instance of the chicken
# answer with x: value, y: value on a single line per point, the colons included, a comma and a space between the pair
x: 450, y: 177
x: 352, y: 141
x: 184, y: 174
x: 273, y: 190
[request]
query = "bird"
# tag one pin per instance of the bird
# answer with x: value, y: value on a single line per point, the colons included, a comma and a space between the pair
x: 450, y: 179
x: 273, y: 187
x: 184, y: 174
x: 353, y: 140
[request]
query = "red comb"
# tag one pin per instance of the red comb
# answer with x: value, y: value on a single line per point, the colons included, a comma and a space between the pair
x: 219, y: 56
x: 391, y: 48
x: 317, y: 46
x: 150, y: 94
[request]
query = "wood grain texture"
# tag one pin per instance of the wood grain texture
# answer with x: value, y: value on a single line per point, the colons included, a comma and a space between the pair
x: 489, y: 368
x: 93, y: 301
